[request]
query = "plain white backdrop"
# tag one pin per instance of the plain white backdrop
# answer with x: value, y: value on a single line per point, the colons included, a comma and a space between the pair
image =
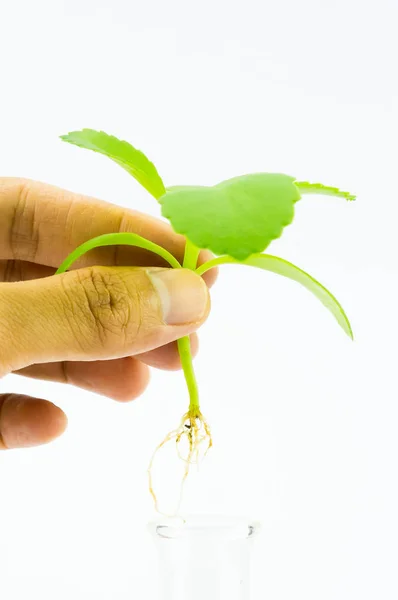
x: 304, y: 421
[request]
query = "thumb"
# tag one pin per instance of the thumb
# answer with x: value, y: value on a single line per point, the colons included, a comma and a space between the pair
x: 97, y: 313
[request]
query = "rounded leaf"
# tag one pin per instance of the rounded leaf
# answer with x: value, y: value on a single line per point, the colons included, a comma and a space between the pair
x: 238, y: 217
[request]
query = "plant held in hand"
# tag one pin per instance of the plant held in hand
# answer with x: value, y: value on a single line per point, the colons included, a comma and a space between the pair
x: 236, y: 219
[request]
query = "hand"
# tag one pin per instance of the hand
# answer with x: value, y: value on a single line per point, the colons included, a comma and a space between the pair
x: 95, y: 327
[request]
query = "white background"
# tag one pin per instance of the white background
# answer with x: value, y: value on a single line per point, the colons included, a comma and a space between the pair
x: 304, y: 421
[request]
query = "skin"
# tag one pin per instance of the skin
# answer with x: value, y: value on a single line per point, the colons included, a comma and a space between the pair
x: 99, y: 326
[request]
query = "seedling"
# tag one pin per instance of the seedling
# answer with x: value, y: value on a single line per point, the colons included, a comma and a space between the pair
x: 236, y: 220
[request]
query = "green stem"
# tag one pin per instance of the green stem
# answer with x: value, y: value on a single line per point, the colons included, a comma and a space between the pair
x: 184, y: 343
x: 184, y: 349
x: 190, y: 256
x: 116, y: 239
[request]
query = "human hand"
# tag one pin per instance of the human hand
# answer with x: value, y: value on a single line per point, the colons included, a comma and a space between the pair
x: 95, y: 327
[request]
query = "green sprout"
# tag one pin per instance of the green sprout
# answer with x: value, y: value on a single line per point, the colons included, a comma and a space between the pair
x: 236, y: 220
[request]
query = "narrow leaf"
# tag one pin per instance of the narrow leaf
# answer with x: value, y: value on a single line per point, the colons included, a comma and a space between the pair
x: 287, y: 269
x: 306, y: 187
x: 122, y: 153
x: 117, y: 239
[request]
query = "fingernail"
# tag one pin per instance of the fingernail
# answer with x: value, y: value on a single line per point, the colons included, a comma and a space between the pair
x: 183, y: 295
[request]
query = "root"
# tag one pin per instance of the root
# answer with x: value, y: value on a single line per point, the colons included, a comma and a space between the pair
x: 193, y: 429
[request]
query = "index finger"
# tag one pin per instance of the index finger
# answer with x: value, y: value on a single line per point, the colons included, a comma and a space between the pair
x: 42, y: 224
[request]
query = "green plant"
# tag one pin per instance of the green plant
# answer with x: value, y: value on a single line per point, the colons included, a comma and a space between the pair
x: 236, y: 219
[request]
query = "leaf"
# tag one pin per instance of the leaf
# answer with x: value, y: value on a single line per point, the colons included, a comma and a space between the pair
x: 122, y: 153
x: 117, y: 239
x: 306, y: 187
x: 287, y: 269
x: 237, y: 217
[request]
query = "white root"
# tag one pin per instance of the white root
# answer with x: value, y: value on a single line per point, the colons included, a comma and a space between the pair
x: 194, y: 429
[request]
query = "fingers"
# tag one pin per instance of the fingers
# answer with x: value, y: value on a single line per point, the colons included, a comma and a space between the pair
x: 123, y: 379
x: 43, y: 224
x: 97, y: 313
x: 26, y: 422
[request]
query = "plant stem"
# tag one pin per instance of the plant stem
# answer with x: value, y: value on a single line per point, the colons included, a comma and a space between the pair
x: 184, y: 344
x: 184, y: 349
x: 190, y: 256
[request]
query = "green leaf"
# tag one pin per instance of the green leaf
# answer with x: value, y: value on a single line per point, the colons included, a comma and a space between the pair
x: 122, y: 153
x: 287, y: 269
x: 306, y: 187
x: 117, y: 239
x: 237, y: 217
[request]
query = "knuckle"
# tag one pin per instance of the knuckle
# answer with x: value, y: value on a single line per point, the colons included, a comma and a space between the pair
x: 10, y: 271
x: 105, y: 307
x: 24, y: 231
